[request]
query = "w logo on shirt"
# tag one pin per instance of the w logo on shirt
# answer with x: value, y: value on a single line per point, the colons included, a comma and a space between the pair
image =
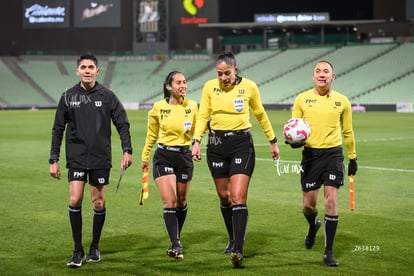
x: 98, y: 103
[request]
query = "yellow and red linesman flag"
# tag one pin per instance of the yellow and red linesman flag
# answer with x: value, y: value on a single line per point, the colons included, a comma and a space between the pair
x: 144, y: 189
x: 351, y: 193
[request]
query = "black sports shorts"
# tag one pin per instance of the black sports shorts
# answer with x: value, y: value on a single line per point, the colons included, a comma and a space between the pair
x: 179, y: 163
x: 322, y: 167
x: 96, y: 177
x: 229, y: 155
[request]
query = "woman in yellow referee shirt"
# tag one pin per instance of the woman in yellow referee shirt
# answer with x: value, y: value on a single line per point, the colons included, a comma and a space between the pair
x: 225, y: 106
x: 171, y: 122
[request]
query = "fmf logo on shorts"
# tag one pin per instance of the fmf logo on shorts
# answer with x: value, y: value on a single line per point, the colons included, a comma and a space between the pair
x: 169, y: 170
x: 310, y: 185
x: 78, y: 174
x: 217, y: 164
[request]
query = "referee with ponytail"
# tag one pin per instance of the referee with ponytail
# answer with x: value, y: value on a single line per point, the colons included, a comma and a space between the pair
x: 225, y: 106
x: 171, y: 122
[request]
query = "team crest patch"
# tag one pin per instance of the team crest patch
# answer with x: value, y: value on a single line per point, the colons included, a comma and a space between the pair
x: 238, y: 104
x: 337, y: 103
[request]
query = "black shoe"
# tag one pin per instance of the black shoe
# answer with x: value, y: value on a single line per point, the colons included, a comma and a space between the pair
x: 94, y: 256
x: 309, y: 238
x: 229, y: 247
x: 176, y: 252
x: 77, y: 259
x: 329, y: 259
x: 236, y: 259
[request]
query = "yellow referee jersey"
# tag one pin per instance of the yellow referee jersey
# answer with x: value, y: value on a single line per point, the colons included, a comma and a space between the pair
x: 329, y: 117
x: 171, y: 125
x: 230, y: 110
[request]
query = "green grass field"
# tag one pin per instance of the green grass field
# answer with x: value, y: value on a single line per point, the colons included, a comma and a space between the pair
x: 375, y: 239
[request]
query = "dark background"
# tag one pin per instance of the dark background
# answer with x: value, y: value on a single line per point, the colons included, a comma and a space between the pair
x: 14, y: 40
x: 243, y: 11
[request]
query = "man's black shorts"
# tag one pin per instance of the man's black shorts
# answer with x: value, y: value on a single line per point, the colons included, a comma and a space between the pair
x: 229, y: 155
x: 168, y: 162
x: 322, y: 166
x: 96, y: 177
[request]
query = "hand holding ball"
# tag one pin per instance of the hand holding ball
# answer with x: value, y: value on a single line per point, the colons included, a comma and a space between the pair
x: 296, y: 132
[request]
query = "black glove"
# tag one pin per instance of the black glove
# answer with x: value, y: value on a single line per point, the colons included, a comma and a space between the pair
x: 295, y: 146
x: 352, y: 166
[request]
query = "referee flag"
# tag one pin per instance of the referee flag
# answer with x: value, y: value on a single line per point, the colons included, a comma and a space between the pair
x: 144, y: 189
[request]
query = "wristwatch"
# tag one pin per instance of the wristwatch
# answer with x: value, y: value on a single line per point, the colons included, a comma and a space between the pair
x: 274, y: 141
x: 52, y: 161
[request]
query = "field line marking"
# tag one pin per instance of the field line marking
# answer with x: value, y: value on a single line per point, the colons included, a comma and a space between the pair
x: 387, y: 169
x: 357, y: 141
x: 362, y: 167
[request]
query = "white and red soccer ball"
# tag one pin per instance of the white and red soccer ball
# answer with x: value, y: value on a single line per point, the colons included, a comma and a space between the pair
x: 296, y: 131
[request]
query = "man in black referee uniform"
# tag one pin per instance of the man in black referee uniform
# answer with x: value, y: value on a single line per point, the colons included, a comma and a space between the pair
x: 86, y: 111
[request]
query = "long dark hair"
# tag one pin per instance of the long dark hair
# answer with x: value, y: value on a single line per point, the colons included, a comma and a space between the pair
x: 168, y: 82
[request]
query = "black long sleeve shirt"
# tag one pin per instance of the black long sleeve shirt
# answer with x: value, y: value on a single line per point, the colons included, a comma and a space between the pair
x: 87, y: 117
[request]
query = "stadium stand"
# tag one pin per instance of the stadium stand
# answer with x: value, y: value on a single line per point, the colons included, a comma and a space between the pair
x: 133, y: 81
x: 16, y: 87
x: 263, y: 66
x: 399, y: 90
x: 47, y: 75
x: 285, y: 87
x: 245, y: 60
x: 366, y: 73
x: 378, y: 71
x: 190, y: 68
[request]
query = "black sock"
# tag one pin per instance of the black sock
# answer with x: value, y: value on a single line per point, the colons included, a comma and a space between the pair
x: 226, y: 211
x: 312, y: 221
x: 181, y: 215
x: 171, y: 224
x: 98, y: 223
x: 75, y: 218
x: 240, y: 214
x: 331, y: 223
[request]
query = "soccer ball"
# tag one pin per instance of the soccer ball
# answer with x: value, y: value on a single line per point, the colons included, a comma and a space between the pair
x: 296, y: 131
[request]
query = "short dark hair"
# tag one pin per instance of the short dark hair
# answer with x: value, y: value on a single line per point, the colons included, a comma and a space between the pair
x: 330, y: 64
x: 87, y: 56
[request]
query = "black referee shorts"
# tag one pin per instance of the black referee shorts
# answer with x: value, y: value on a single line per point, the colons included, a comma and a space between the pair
x: 168, y: 161
x: 322, y: 167
x: 229, y: 155
x: 96, y: 177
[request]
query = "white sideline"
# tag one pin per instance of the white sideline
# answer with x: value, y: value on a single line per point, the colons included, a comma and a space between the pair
x: 359, y: 166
